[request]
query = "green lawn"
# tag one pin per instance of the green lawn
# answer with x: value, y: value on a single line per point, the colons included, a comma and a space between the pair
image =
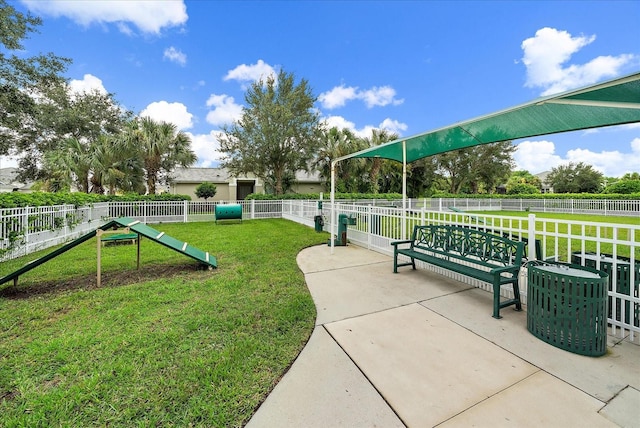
x: 171, y: 345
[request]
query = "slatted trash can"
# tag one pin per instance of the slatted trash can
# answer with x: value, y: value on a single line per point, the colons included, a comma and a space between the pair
x: 567, y: 307
x: 228, y: 212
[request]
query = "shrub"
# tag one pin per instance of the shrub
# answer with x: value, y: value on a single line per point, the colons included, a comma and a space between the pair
x: 206, y: 190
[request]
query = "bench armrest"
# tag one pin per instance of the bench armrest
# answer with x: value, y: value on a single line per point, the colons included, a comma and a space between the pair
x: 396, y: 243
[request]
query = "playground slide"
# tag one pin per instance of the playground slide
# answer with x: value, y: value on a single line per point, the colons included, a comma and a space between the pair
x: 167, y: 241
x: 134, y: 225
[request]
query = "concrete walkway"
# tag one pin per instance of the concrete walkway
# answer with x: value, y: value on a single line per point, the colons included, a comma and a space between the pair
x: 416, y: 349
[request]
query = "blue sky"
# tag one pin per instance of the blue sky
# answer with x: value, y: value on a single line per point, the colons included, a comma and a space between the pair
x: 405, y: 66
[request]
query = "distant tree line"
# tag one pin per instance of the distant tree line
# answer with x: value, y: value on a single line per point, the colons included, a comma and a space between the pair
x: 88, y: 142
x: 81, y: 140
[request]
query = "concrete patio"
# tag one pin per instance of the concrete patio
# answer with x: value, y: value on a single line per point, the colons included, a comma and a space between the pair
x: 417, y: 349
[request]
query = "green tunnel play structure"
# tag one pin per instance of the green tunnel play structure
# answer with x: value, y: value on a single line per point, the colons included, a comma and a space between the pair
x: 133, y: 225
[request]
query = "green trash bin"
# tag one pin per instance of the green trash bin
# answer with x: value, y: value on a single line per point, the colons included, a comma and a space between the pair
x: 228, y: 212
x: 567, y: 306
x: 319, y: 223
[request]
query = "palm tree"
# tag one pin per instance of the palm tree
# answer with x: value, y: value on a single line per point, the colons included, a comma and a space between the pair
x: 378, y: 137
x: 116, y: 166
x: 161, y: 148
x: 70, y: 163
x: 338, y: 143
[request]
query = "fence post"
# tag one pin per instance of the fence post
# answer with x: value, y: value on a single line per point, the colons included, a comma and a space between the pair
x: 185, y: 207
x: 369, y: 226
x: 26, y: 230
x: 531, y: 245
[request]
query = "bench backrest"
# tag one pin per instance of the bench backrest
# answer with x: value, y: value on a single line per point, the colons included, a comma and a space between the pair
x: 464, y: 243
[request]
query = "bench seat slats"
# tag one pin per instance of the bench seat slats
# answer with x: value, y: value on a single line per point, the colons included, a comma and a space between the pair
x: 484, y: 256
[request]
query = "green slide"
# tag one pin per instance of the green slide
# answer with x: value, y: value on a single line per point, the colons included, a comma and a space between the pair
x: 135, y: 226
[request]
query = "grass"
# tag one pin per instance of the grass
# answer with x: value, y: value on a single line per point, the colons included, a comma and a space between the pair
x: 171, y: 346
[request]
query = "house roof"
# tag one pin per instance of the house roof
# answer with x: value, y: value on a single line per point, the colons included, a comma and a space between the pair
x: 222, y: 175
x: 9, y: 182
x: 200, y: 175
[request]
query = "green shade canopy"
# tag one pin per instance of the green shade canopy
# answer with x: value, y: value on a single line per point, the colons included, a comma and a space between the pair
x: 614, y: 102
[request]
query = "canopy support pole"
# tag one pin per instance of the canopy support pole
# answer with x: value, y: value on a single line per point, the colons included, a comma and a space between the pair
x: 333, y: 205
x: 404, y: 190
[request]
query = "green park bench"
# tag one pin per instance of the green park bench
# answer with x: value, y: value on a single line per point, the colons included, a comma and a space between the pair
x: 484, y: 256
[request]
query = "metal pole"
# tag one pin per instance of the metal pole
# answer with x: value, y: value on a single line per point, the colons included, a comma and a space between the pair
x: 333, y: 202
x: 404, y: 190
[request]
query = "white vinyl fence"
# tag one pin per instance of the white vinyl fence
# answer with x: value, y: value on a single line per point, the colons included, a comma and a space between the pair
x: 613, y: 207
x: 611, y: 247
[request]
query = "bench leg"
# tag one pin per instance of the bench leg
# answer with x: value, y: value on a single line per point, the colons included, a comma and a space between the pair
x: 516, y: 295
x: 396, y: 265
x: 515, y: 301
x: 496, y: 301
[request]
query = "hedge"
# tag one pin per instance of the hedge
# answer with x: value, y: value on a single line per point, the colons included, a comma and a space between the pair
x: 316, y: 196
x: 37, y: 199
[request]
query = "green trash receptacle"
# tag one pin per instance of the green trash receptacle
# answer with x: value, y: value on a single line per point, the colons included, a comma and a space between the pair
x: 344, y: 220
x: 228, y: 212
x: 319, y: 223
x: 567, y: 306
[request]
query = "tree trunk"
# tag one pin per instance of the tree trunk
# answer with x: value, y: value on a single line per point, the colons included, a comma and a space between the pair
x: 151, y: 185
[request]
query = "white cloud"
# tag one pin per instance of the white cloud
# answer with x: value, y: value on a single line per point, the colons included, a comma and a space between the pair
x: 366, y: 131
x: 87, y: 84
x: 393, y: 126
x: 338, y: 122
x: 207, y: 148
x: 147, y: 16
x: 337, y: 97
x: 536, y: 156
x: 250, y: 73
x: 225, y: 111
x: 175, y: 113
x: 380, y: 96
x: 539, y: 156
x: 376, y: 96
x: 546, y: 55
x: 610, y: 163
x: 175, y: 55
